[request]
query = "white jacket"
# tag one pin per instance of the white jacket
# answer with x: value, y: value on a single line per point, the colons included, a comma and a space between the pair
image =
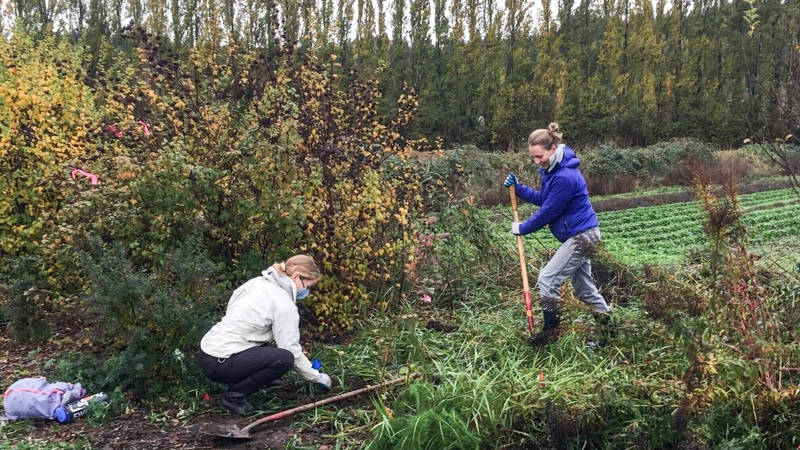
x: 261, y: 311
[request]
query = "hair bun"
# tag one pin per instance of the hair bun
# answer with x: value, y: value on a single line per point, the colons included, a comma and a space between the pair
x: 553, y: 127
x: 283, y: 267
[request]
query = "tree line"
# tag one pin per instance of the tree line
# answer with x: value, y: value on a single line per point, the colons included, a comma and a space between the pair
x: 631, y: 72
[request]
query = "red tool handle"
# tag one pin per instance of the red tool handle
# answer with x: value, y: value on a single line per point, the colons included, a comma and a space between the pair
x: 335, y: 398
x: 526, y: 290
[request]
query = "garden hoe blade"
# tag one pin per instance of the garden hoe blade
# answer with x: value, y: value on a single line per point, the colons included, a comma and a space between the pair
x: 234, y: 432
x: 227, y: 431
x: 526, y: 290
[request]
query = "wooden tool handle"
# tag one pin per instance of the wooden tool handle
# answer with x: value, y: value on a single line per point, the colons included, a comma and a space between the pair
x: 526, y: 291
x: 335, y: 398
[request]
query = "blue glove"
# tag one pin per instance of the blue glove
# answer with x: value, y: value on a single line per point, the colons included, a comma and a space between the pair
x: 511, y: 179
x: 316, y: 364
x: 515, y: 228
x: 324, y: 382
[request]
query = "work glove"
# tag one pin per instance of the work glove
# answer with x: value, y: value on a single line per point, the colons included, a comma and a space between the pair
x: 324, y: 381
x: 511, y: 179
x: 515, y: 228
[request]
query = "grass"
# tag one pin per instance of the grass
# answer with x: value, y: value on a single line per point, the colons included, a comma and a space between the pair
x: 482, y: 383
x: 32, y: 444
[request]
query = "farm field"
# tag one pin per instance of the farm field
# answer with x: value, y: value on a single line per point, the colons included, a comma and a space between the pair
x: 666, y: 234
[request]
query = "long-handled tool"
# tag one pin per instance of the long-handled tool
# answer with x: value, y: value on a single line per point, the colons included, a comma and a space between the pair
x: 526, y: 290
x: 233, y: 431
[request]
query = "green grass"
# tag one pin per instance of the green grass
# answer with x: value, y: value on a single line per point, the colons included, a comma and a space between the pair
x: 482, y: 384
x: 34, y: 444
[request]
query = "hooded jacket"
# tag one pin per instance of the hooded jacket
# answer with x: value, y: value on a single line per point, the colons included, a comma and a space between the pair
x: 261, y: 311
x: 563, y: 200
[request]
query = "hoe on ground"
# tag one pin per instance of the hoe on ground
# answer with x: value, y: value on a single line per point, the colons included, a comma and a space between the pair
x: 233, y: 431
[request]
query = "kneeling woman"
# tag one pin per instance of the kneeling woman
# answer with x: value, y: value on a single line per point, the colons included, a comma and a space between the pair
x: 237, y: 351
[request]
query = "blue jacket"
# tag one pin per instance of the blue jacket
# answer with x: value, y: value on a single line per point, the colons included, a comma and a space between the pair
x: 563, y: 201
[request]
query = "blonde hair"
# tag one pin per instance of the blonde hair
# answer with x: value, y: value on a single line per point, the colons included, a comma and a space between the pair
x: 546, y: 137
x: 302, y: 264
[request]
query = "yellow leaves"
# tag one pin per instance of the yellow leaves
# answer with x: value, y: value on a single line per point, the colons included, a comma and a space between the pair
x: 126, y: 175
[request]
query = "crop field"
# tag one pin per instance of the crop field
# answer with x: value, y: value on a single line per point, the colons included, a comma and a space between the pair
x: 665, y: 234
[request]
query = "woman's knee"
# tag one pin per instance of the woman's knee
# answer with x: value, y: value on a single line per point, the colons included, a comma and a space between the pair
x: 285, y: 359
x: 547, y: 287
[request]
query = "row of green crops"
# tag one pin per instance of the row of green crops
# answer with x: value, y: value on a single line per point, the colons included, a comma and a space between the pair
x: 664, y: 234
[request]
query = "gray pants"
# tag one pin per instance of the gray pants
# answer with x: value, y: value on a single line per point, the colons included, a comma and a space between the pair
x: 572, y: 260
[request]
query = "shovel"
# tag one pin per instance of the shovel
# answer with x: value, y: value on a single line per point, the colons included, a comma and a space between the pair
x: 233, y: 431
x: 526, y: 290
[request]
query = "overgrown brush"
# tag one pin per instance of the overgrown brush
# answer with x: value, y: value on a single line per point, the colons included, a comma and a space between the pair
x: 29, y: 300
x: 146, y: 322
x: 267, y: 153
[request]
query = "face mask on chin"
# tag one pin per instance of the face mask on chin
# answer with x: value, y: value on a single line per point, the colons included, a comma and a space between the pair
x: 302, y: 293
x: 555, y: 158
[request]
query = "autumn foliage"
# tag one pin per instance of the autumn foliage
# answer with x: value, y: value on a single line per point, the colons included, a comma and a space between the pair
x: 261, y: 154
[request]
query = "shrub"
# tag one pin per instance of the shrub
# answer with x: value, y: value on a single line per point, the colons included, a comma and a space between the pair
x: 610, y: 186
x: 44, y: 110
x: 29, y: 299
x: 151, y: 318
x: 650, y: 166
x: 453, y: 256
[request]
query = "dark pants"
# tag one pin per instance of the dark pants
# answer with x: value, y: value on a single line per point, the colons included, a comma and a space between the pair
x: 248, y: 371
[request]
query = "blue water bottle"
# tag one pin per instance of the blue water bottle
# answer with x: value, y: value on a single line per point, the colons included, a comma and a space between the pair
x: 78, y: 409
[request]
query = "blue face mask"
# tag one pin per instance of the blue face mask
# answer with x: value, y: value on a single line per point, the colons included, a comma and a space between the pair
x: 302, y: 293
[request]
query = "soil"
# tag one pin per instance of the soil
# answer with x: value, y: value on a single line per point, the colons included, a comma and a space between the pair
x: 149, y: 427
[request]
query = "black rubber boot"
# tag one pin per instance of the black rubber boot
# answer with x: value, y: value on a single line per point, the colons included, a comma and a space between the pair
x: 234, y: 399
x: 550, y: 330
x: 607, y: 327
x: 236, y: 403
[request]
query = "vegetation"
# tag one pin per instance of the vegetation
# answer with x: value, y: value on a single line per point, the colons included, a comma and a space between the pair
x: 151, y: 168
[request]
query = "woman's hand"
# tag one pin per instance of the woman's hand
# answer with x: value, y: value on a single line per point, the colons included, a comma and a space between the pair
x: 511, y: 179
x: 324, y: 382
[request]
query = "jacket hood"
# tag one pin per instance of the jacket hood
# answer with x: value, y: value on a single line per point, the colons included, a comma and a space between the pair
x: 283, y: 281
x: 568, y: 159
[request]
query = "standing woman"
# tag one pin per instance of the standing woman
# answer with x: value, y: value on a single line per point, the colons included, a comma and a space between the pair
x: 563, y: 206
x: 236, y: 350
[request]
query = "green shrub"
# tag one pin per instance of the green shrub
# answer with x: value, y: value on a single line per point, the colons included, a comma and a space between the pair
x: 655, y: 165
x: 152, y: 320
x: 25, y: 286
